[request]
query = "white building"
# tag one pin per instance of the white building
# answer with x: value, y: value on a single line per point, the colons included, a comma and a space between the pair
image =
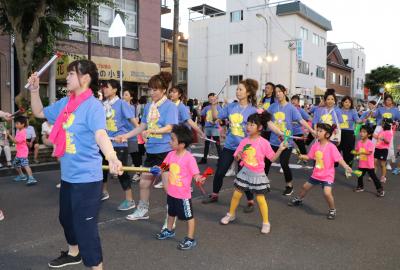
x: 355, y: 55
x: 231, y: 45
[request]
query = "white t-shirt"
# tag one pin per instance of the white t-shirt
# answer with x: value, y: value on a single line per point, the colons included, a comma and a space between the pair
x: 30, y: 133
x: 46, y: 128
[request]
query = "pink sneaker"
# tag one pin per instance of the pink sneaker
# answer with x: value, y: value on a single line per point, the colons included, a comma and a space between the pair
x: 383, y: 179
x: 1, y: 215
x: 226, y: 219
x: 266, y: 228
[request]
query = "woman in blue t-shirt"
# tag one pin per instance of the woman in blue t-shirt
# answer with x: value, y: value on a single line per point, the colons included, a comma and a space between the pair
x: 237, y: 114
x: 120, y: 117
x: 159, y: 116
x: 283, y: 115
x: 329, y: 114
x: 78, y: 132
x: 348, y: 139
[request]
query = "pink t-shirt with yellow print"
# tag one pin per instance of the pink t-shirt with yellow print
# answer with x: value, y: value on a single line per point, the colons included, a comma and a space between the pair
x: 254, y: 152
x: 366, y: 161
x: 325, y: 158
x: 181, y: 171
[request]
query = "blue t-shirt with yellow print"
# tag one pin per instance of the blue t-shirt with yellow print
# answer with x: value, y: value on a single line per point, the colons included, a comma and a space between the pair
x: 81, y: 162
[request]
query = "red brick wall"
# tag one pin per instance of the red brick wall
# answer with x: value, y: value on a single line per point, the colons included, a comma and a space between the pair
x: 340, y: 89
x: 149, y: 30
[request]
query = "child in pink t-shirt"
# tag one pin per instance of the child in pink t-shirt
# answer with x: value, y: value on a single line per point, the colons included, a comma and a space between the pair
x: 325, y: 155
x: 21, y: 158
x: 251, y: 153
x: 182, y: 169
x: 383, y: 139
x: 365, y: 151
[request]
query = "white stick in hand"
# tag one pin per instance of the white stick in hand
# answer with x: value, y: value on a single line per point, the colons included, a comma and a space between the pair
x: 46, y: 66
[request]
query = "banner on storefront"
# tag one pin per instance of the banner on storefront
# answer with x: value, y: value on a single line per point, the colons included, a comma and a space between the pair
x: 109, y: 68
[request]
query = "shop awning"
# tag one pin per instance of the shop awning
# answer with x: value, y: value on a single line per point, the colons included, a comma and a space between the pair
x: 133, y: 71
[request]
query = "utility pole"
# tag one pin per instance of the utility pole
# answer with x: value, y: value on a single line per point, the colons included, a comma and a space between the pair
x: 89, y: 12
x: 175, y: 40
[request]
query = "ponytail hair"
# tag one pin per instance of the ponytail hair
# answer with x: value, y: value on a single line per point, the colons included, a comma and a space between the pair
x: 330, y: 92
x: 180, y: 91
x: 261, y: 119
x: 251, y: 88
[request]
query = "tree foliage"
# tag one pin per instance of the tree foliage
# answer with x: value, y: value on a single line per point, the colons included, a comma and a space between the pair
x: 36, y: 25
x: 380, y: 76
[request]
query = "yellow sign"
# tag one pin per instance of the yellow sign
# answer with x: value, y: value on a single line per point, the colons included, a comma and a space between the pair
x: 133, y: 71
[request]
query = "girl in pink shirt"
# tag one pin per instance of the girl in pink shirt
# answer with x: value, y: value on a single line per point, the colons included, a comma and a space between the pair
x: 365, y: 149
x: 21, y: 158
x: 251, y: 153
x: 325, y: 155
x: 383, y: 139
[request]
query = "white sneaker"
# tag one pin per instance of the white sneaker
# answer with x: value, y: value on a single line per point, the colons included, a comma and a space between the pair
x: 226, y: 219
x: 388, y: 167
x: 230, y: 173
x: 159, y: 185
x: 141, y: 212
x: 281, y: 170
x: 266, y: 228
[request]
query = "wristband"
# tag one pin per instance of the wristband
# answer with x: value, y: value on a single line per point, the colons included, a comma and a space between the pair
x: 110, y: 155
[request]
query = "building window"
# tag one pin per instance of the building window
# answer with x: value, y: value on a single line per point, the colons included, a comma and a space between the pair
x: 346, y: 81
x: 358, y: 62
x: 362, y: 84
x: 341, y: 80
x: 236, y: 49
x: 362, y: 63
x: 358, y: 83
x: 237, y: 16
x: 320, y: 72
x: 333, y: 78
x: 322, y: 41
x: 304, y: 67
x: 315, y: 39
x: 182, y: 75
x: 235, y: 79
x: 102, y: 19
x: 303, y: 33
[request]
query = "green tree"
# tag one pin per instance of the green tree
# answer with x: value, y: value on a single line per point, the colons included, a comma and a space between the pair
x: 35, y: 26
x: 380, y: 76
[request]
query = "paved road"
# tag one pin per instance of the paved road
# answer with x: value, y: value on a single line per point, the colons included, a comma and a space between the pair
x: 365, y: 234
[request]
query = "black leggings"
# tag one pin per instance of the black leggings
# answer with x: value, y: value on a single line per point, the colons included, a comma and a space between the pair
x: 136, y: 159
x: 124, y: 179
x: 372, y: 174
x: 207, y: 145
x: 224, y: 162
x: 347, y: 144
x: 284, y: 160
x: 301, y: 144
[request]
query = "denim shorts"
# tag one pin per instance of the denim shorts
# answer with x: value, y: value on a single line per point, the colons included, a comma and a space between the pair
x: 20, y: 162
x: 323, y: 184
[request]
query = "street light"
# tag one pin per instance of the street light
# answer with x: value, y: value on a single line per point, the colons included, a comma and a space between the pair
x: 260, y: 16
x: 118, y: 29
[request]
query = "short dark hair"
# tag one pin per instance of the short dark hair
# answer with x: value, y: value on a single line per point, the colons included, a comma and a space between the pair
x: 368, y: 129
x: 211, y: 95
x: 21, y: 119
x: 260, y: 119
x: 373, y: 102
x: 115, y: 85
x: 183, y: 134
x: 328, y: 128
x: 296, y: 97
x: 347, y: 98
x: 387, y: 123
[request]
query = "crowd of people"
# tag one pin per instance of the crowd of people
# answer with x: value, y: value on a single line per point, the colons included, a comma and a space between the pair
x: 87, y: 133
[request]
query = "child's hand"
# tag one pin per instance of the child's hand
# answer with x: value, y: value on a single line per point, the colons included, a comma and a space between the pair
x: 238, y: 156
x: 199, y: 179
x: 375, y: 136
x: 349, y: 169
x: 303, y: 157
x: 283, y: 145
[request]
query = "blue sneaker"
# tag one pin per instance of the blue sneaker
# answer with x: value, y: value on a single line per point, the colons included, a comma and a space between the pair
x: 164, y: 234
x: 187, y: 244
x: 126, y: 205
x: 396, y: 171
x: 31, y: 181
x: 20, y: 178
